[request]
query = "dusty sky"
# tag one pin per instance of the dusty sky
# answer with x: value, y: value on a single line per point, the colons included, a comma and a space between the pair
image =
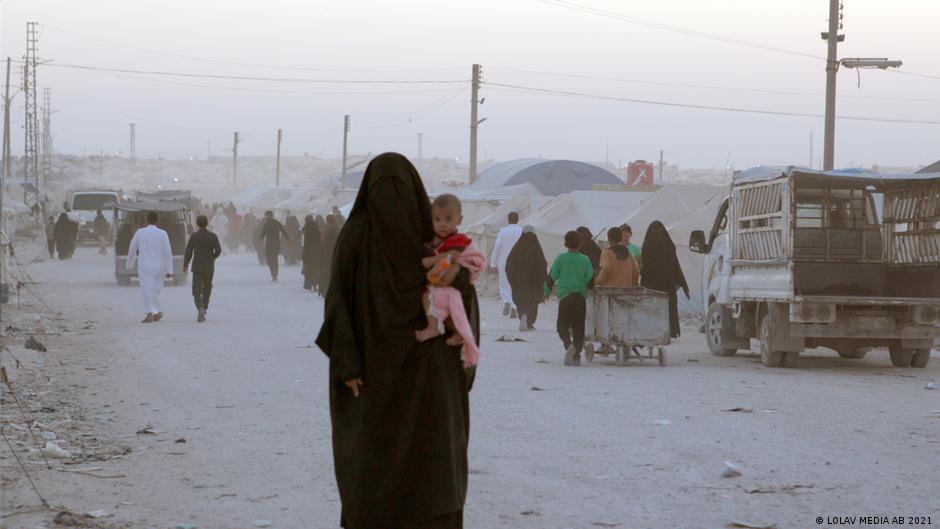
x: 383, y: 40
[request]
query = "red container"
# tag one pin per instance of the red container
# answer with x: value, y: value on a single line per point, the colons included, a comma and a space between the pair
x: 640, y: 173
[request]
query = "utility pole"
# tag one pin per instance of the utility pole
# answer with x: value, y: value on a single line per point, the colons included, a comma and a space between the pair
x: 235, y: 162
x: 46, y: 133
x: 133, y: 151
x: 31, y: 191
x: 420, y: 146
x: 6, y: 131
x: 810, y: 150
x: 474, y: 121
x: 345, y: 145
x: 832, y: 69
x: 6, y: 154
x: 277, y: 171
x: 662, y: 167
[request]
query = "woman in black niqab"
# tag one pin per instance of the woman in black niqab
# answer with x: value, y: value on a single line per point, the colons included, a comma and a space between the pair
x: 400, y: 446
x: 527, y: 270
x: 311, y: 253
x: 661, y: 270
x: 590, y: 248
x: 292, y: 250
x: 64, y: 234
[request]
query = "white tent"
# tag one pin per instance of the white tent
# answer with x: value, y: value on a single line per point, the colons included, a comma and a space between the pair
x: 597, y: 210
x: 479, y: 204
x: 485, y: 230
x: 303, y: 202
x: 691, y: 262
x: 261, y: 198
x: 669, y: 205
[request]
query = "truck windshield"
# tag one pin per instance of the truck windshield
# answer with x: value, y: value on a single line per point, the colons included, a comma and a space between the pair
x: 94, y: 201
x: 837, y: 225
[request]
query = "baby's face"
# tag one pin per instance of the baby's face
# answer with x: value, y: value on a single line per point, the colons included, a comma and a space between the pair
x: 446, y: 220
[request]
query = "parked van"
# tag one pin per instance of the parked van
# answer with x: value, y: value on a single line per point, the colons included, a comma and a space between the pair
x: 847, y: 260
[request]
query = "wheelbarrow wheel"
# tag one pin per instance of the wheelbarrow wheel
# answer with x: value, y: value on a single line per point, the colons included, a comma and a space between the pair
x: 589, y: 352
x: 662, y: 357
x: 621, y: 356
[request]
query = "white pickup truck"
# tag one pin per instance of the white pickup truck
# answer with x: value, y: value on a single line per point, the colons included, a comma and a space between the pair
x: 847, y: 260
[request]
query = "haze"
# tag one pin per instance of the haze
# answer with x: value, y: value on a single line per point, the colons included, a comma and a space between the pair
x: 176, y: 118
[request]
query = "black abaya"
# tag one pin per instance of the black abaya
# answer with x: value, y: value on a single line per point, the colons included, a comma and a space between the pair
x: 661, y: 270
x: 527, y: 270
x: 311, y: 254
x: 400, y: 448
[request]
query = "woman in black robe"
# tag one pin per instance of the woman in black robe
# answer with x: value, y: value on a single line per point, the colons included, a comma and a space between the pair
x: 311, y: 253
x: 661, y: 270
x: 590, y: 248
x: 399, y: 408
x: 64, y: 236
x: 249, y: 225
x: 526, y: 270
x: 329, y: 235
x: 292, y: 250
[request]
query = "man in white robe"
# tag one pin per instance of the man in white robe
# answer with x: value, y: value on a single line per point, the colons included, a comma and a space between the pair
x: 505, y: 241
x: 150, y: 251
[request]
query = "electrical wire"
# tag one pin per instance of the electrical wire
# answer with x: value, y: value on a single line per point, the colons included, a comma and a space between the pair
x: 253, y: 65
x: 251, y: 77
x: 675, y: 29
x: 706, y: 87
x: 275, y: 91
x: 529, y: 89
x: 413, y: 115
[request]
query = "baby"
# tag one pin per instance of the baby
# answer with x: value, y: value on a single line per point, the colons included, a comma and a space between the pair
x: 451, y: 252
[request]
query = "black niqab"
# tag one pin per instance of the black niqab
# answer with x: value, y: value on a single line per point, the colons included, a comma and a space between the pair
x: 590, y: 248
x: 526, y: 270
x: 661, y: 270
x: 311, y: 253
x: 400, y: 448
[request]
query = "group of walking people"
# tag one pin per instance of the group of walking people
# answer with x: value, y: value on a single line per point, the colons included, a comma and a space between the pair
x: 526, y: 281
x: 62, y: 235
x: 310, y: 245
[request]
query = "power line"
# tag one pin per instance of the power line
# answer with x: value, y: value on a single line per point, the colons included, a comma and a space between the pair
x: 675, y: 29
x: 416, y: 114
x: 253, y: 78
x: 706, y: 87
x: 275, y: 91
x: 254, y: 65
x: 528, y: 89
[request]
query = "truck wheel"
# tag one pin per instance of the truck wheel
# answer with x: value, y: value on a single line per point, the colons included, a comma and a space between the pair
x: 901, y: 357
x: 123, y: 281
x: 768, y: 358
x: 717, y: 323
x: 921, y: 357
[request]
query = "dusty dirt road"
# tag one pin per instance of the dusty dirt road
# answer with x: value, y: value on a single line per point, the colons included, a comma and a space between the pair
x: 551, y: 447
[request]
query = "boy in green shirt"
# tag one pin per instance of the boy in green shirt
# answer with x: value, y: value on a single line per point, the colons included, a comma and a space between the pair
x: 571, y: 273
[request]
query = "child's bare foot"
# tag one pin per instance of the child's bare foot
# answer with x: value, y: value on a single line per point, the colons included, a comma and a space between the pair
x: 455, y: 339
x: 426, y: 334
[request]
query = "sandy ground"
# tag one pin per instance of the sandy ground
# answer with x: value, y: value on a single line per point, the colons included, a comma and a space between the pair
x: 551, y: 447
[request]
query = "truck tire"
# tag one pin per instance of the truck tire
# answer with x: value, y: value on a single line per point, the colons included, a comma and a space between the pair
x: 768, y: 357
x: 921, y: 358
x: 123, y: 281
x: 901, y: 357
x: 717, y: 327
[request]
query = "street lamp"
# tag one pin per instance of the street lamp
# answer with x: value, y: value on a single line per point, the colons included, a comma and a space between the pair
x: 881, y: 64
x: 833, y: 38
